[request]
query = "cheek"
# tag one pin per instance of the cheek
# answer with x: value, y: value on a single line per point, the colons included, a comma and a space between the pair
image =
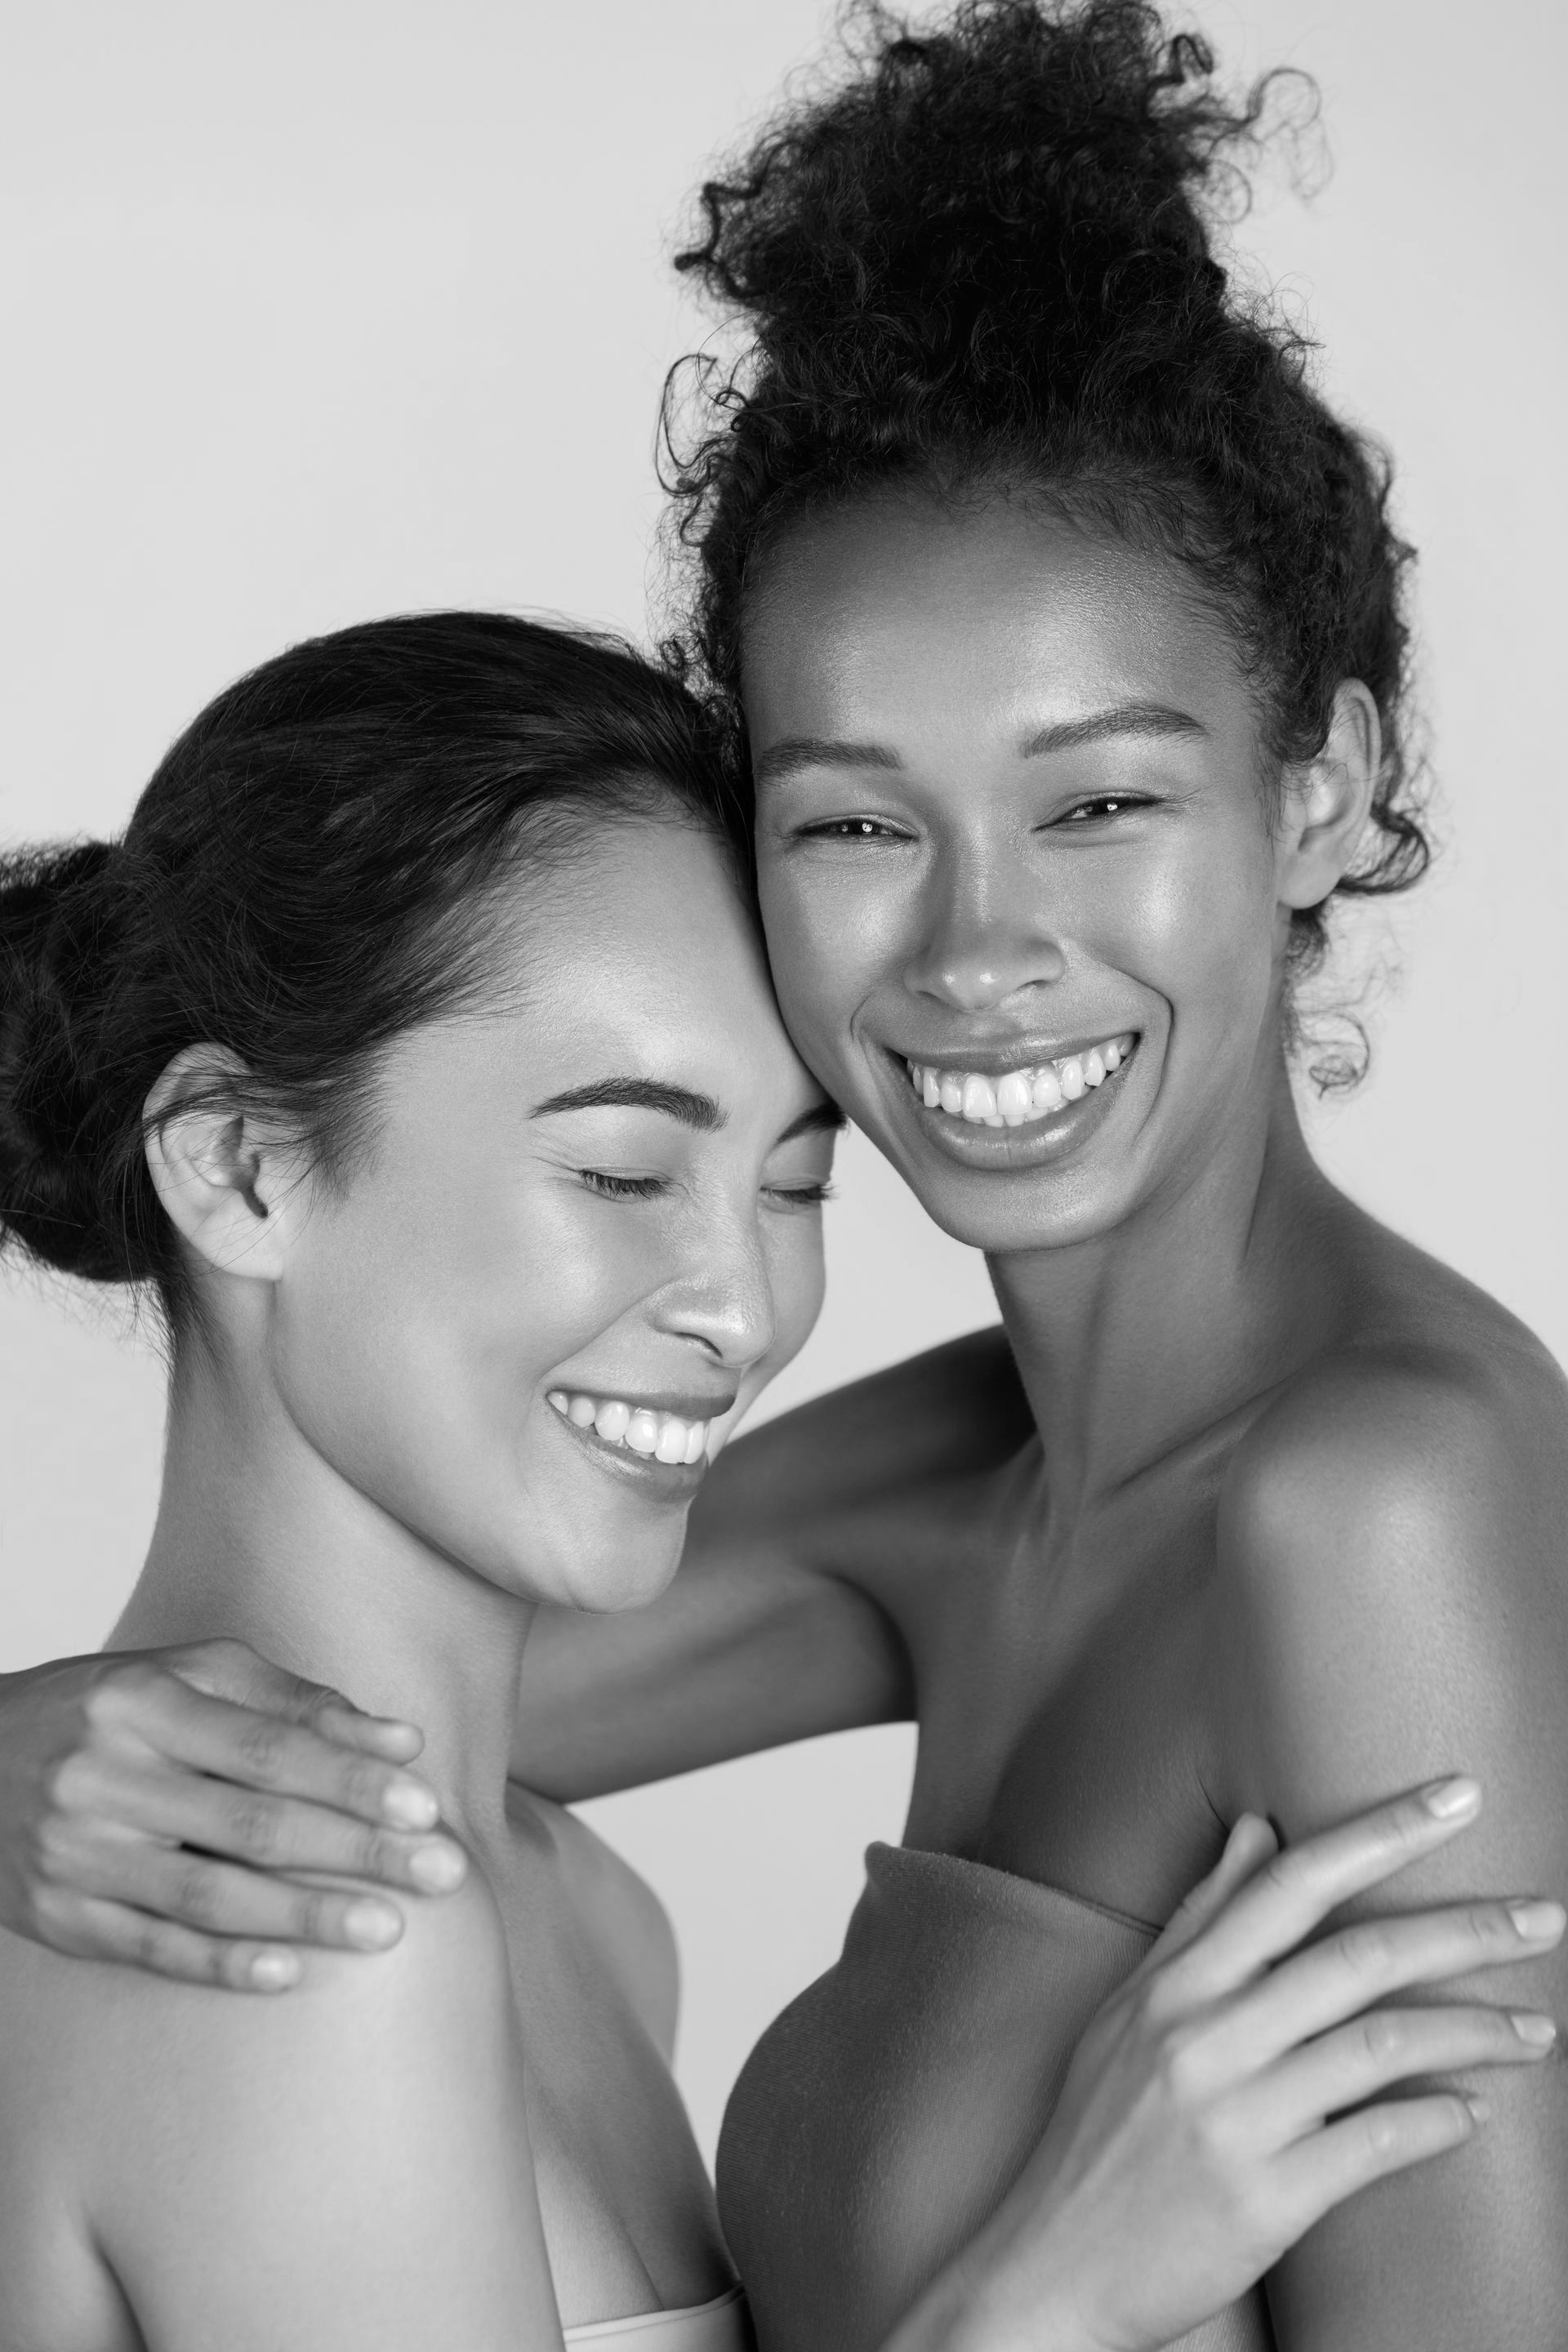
x: 412, y: 1342
x: 832, y: 935
x: 798, y: 1274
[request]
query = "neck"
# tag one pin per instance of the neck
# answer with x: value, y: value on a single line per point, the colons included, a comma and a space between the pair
x: 1134, y: 1342
x: 258, y: 1536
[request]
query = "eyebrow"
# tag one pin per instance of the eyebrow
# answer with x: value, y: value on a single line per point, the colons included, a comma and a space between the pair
x: 795, y: 752
x: 1117, y: 719
x: 683, y: 1104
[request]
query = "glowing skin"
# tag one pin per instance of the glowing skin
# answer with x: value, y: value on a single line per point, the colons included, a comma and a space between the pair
x: 493, y: 1254
x: 959, y: 871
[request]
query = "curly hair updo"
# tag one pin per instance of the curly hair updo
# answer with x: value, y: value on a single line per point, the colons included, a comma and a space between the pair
x: 989, y: 255
x: 304, y: 879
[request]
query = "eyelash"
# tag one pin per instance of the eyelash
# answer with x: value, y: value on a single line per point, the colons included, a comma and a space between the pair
x: 647, y: 1188
x: 868, y: 829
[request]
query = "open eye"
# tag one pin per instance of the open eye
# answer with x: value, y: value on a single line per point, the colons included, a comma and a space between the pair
x: 851, y: 829
x: 1102, y: 806
x: 623, y: 1188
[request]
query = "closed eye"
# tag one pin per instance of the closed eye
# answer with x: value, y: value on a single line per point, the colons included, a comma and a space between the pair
x: 623, y: 1188
x: 800, y: 1196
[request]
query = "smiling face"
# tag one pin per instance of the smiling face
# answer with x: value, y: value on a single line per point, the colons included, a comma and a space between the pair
x: 588, y: 1226
x: 1026, y: 909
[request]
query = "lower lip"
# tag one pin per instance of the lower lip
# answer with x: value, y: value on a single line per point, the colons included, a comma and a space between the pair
x: 671, y: 1481
x: 1001, y: 1150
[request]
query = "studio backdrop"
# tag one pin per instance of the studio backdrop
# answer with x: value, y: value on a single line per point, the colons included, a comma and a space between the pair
x: 333, y: 309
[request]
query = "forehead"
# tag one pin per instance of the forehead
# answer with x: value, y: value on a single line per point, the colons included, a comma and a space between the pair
x: 906, y: 612
x: 637, y: 943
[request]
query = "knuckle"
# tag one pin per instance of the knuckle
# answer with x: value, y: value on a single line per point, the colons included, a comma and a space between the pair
x: 1183, y: 2062
x: 363, y: 1785
x: 312, y: 1914
x: 68, y: 1788
x: 1382, y: 2036
x: 255, y: 1827
x: 263, y: 1745
x: 194, y: 1892
x: 1367, y: 1950
x: 121, y: 1689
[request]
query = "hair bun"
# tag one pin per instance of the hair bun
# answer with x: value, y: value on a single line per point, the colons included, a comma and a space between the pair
x: 970, y: 204
x: 56, y: 921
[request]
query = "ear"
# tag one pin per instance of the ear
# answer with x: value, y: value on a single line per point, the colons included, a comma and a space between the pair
x: 225, y: 1185
x: 1326, y: 800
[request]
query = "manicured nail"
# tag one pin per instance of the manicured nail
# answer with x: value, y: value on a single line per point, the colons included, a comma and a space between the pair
x: 1539, y: 1923
x: 410, y: 1804
x: 438, y: 1868
x: 274, y: 1971
x: 1450, y: 1801
x: 372, y: 1926
x: 1541, y: 2032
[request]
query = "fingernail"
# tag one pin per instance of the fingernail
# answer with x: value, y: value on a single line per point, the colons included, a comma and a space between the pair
x: 274, y: 1971
x: 1449, y: 1800
x: 371, y: 1925
x: 1541, y: 2032
x: 410, y: 1804
x: 1537, y: 1922
x: 438, y: 1868
x: 1480, y: 2108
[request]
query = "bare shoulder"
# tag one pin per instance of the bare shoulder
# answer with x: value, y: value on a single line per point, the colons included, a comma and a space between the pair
x: 1394, y: 1555
x: 372, y: 2122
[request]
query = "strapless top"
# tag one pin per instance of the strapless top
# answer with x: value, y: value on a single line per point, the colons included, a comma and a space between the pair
x: 882, y: 2118
x: 717, y: 2327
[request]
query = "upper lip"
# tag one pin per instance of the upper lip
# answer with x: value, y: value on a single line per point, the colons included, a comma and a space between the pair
x: 687, y: 1406
x: 1016, y: 1054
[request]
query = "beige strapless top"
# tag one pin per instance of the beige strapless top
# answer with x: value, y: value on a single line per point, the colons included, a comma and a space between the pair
x: 717, y: 2327
x: 882, y: 2118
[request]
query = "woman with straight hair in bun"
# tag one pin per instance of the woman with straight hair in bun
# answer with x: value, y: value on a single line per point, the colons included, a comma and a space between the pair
x: 1057, y: 631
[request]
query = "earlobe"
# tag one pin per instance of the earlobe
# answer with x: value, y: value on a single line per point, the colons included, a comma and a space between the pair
x: 1326, y: 801
x: 219, y: 1185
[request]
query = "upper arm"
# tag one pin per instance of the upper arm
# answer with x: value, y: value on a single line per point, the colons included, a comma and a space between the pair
x: 782, y: 1620
x: 344, y: 2170
x: 1392, y: 1554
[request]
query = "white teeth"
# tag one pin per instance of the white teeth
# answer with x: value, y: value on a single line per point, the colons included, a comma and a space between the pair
x: 1017, y: 1096
x: 611, y: 1420
x: 665, y: 1437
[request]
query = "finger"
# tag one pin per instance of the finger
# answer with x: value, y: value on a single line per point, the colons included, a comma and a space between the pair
x: 1360, y: 1965
x: 1251, y: 1844
x: 164, y: 1810
x: 231, y: 1669
x: 1321, y: 2170
x: 258, y: 1750
x: 87, y: 1928
x: 1351, y: 2064
x: 220, y: 1898
x: 1296, y: 1891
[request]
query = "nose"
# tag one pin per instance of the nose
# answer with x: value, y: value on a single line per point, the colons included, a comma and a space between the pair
x: 723, y: 1299
x: 985, y: 934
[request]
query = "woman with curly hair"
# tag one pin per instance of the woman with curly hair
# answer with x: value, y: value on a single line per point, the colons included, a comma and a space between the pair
x: 1057, y: 626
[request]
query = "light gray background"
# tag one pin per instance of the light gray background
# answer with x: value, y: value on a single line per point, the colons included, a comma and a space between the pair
x: 335, y: 309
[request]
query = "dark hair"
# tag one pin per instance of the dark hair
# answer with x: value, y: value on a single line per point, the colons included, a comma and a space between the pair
x: 298, y: 885
x: 989, y: 257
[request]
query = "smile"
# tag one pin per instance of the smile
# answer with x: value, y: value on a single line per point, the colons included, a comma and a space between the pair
x: 1018, y: 1098
x: 667, y: 1437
